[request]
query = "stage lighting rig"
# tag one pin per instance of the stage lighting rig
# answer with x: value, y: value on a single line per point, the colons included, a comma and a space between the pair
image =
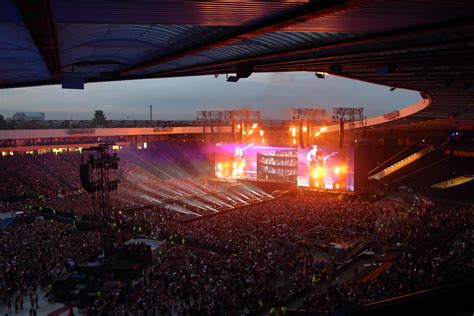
x: 245, y: 122
x: 214, y: 119
x: 352, y: 116
x: 240, y: 120
x: 306, y: 119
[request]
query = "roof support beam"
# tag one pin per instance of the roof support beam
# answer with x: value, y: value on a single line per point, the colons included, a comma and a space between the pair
x: 364, y: 61
x: 301, y: 14
x: 388, y: 35
x: 37, y: 16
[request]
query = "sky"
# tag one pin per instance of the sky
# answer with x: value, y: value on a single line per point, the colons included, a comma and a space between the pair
x: 274, y: 94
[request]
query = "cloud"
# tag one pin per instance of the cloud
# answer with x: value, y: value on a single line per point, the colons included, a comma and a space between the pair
x: 179, y: 98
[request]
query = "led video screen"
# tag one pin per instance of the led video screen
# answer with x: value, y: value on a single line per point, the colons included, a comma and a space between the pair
x: 253, y: 162
x: 326, y: 167
x: 321, y: 167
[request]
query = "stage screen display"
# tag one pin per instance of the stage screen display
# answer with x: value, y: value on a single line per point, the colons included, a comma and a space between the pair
x: 326, y: 167
x: 255, y: 162
x: 320, y: 167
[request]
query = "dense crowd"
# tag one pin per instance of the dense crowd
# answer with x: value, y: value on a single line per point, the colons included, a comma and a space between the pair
x: 33, y: 254
x: 435, y: 247
x: 257, y: 257
x: 51, y: 181
x: 242, y: 261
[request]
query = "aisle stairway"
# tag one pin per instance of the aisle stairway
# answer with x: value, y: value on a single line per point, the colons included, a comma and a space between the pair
x: 452, y: 182
x: 402, y: 163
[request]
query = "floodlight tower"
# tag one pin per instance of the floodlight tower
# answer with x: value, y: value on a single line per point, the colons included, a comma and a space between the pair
x: 98, y: 178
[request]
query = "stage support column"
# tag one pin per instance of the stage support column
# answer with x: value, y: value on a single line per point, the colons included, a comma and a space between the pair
x: 234, y: 136
x: 341, y: 132
x: 308, y: 136
x: 342, y: 157
x: 301, y: 136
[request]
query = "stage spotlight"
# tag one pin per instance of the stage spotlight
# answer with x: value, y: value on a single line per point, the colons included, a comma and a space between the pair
x: 233, y: 79
x: 305, y: 129
x: 324, y: 129
x: 254, y: 125
x: 320, y: 75
x: 337, y: 170
x: 244, y: 70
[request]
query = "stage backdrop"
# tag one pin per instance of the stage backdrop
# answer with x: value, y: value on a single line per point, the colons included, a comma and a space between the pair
x: 320, y: 167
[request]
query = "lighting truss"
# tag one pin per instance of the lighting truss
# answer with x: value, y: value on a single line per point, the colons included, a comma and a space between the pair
x: 316, y: 115
x: 99, y: 177
x: 352, y: 116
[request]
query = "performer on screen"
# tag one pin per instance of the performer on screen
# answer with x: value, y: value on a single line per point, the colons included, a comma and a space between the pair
x: 317, y: 162
x: 315, y: 157
x: 239, y: 160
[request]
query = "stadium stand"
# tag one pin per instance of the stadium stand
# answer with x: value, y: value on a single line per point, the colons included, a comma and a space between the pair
x: 233, y: 248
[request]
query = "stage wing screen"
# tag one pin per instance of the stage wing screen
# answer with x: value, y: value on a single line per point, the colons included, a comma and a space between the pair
x: 326, y: 167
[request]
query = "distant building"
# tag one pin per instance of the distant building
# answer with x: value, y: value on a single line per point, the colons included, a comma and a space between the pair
x: 28, y: 116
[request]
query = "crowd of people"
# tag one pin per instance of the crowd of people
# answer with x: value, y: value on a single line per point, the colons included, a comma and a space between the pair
x: 265, y: 240
x: 435, y: 250
x: 52, y: 181
x: 243, y: 261
x: 34, y: 253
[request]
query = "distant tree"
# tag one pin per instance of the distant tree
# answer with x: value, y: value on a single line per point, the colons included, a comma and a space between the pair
x: 99, y: 119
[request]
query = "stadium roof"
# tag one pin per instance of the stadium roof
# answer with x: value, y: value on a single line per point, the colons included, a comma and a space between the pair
x: 420, y: 45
